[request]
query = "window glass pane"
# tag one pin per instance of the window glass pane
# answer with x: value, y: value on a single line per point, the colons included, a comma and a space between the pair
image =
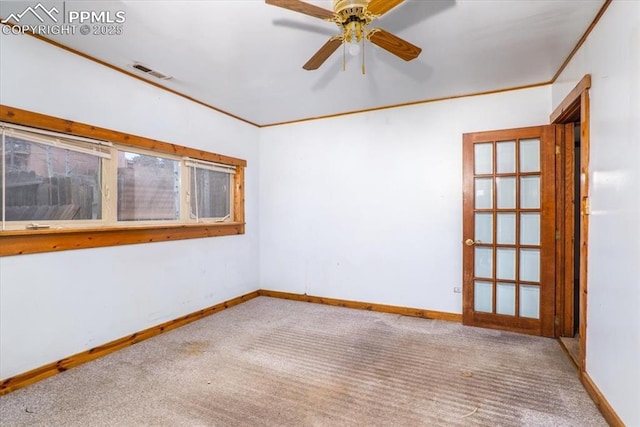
x: 529, y: 228
x: 484, y: 193
x: 482, y: 297
x: 506, y: 263
x: 530, y: 301
x: 530, y: 192
x: 483, y: 262
x: 210, y: 193
x: 483, y: 158
x: 506, y: 299
x: 530, y: 265
x: 484, y: 228
x: 50, y: 183
x: 507, y: 228
x: 148, y: 187
x: 530, y: 155
x: 506, y: 192
x: 506, y: 156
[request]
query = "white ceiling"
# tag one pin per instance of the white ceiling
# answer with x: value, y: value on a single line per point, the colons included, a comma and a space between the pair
x: 245, y: 57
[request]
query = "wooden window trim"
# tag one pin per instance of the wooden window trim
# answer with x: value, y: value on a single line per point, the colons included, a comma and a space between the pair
x: 20, y: 242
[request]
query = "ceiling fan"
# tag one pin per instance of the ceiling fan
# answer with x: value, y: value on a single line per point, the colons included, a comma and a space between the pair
x: 353, y: 18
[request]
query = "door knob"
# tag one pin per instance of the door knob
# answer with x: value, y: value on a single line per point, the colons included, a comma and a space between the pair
x: 469, y: 242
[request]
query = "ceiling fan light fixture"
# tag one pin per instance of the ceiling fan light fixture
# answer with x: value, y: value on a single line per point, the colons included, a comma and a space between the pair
x: 354, y: 49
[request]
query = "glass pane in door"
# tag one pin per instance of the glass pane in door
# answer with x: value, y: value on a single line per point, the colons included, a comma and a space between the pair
x: 506, y: 157
x: 484, y: 228
x: 506, y: 263
x: 483, y: 296
x: 530, y: 192
x: 506, y: 299
x: 483, y: 262
x: 484, y: 193
x: 506, y: 192
x: 530, y: 155
x: 506, y: 228
x: 530, y: 301
x: 530, y: 228
x: 483, y: 159
x: 530, y: 265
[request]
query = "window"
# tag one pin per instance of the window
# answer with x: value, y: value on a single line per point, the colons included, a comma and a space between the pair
x: 148, y: 187
x: 60, y: 184
x: 210, y: 193
x: 49, y: 178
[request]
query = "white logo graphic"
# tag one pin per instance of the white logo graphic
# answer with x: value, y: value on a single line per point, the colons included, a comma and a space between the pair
x: 34, y: 12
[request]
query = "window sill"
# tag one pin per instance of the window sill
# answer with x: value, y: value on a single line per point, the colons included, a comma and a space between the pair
x: 22, y: 242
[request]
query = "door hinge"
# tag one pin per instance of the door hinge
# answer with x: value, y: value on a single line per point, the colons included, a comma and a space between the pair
x: 557, y: 150
x: 586, y: 206
x: 557, y: 234
x: 556, y: 320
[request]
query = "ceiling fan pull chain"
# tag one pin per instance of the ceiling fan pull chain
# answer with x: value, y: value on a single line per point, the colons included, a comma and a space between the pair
x: 344, y: 56
x: 363, y: 68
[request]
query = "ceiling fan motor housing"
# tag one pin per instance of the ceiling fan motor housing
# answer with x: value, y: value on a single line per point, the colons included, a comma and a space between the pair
x: 339, y: 5
x: 352, y: 17
x: 350, y: 8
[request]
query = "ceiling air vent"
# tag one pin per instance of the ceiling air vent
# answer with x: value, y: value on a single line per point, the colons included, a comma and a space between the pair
x: 151, y: 72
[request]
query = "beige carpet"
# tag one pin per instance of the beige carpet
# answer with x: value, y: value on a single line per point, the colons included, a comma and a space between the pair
x: 272, y: 362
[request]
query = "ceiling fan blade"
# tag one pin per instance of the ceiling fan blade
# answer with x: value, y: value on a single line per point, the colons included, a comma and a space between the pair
x: 394, y: 44
x: 302, y: 7
x: 323, y: 54
x: 380, y: 7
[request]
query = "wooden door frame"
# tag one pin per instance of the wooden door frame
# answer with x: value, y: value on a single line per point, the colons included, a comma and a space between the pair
x: 575, y: 104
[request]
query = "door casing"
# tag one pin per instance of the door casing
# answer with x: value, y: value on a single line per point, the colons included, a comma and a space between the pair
x: 575, y: 108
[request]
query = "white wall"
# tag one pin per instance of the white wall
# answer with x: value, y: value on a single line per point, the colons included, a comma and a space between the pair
x: 364, y: 207
x: 368, y: 207
x: 611, y: 55
x: 57, y: 304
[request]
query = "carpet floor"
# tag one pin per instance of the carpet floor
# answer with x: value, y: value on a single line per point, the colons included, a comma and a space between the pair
x: 271, y: 362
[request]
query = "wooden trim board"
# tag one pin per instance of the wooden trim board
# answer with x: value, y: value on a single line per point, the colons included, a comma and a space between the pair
x: 594, y: 393
x: 408, y: 104
x: 22, y: 380
x: 18, y: 116
x: 383, y: 308
x: 132, y: 75
x: 23, y: 242
x: 585, y: 148
x: 568, y: 104
x: 601, y: 403
x: 581, y: 41
x: 567, y: 353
